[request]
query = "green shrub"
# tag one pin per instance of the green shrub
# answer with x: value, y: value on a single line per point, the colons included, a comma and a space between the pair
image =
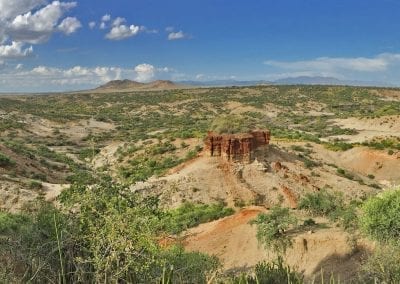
x: 35, y: 184
x: 230, y: 124
x: 272, y: 227
x: 5, y: 161
x: 12, y: 222
x: 380, y: 217
x: 321, y: 203
x: 190, y: 215
x: 309, y: 222
x: 338, y: 146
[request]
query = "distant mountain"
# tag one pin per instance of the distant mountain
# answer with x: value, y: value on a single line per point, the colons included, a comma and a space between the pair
x: 306, y: 80
x: 129, y: 85
x: 301, y: 80
x: 126, y: 85
x: 318, y: 80
x: 224, y: 83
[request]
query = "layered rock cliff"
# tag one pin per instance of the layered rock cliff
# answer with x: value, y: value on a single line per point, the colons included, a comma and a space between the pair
x: 236, y: 147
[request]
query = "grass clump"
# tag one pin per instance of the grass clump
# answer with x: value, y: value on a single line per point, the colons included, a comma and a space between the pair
x: 270, y: 273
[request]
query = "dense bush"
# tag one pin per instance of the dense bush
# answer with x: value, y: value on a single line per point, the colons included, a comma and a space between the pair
x: 106, y: 234
x: 338, y: 146
x: 272, y: 227
x: 230, y: 124
x: 190, y: 215
x: 321, y: 203
x: 380, y: 217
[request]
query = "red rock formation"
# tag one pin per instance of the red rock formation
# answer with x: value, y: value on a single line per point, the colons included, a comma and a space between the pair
x: 236, y: 146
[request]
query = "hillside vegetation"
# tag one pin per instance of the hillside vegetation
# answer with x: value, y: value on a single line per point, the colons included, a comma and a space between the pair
x: 116, y: 187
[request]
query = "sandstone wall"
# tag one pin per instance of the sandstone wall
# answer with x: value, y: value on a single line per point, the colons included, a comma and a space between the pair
x: 236, y: 147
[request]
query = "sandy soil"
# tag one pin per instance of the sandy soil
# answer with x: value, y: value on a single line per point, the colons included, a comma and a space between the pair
x: 369, y: 128
x: 212, y: 179
x: 233, y: 241
x: 365, y: 161
x: 75, y: 131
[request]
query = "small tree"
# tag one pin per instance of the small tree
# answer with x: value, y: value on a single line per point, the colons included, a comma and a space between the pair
x: 272, y: 229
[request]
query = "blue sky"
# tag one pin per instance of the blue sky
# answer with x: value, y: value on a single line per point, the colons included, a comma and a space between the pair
x: 67, y: 45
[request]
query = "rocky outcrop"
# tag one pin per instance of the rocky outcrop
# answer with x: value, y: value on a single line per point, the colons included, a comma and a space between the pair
x: 236, y: 147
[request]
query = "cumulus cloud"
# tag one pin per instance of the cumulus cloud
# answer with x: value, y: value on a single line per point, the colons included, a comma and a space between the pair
x: 118, y: 21
x: 122, y: 32
x: 106, y: 18
x: 39, y: 26
x: 24, y: 22
x: 9, y: 9
x: 69, y: 25
x: 176, y: 35
x: 14, y: 50
x: 103, y: 26
x: 144, y: 72
x: 119, y: 29
x: 92, y: 25
x: 45, y: 78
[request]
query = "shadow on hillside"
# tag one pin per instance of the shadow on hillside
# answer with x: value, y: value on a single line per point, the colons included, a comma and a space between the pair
x: 343, y: 268
x: 273, y: 153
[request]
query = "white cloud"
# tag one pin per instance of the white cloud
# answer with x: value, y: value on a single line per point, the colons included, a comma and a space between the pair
x: 14, y: 50
x: 92, y: 25
x: 69, y: 25
x: 176, y: 35
x: 106, y: 18
x: 118, y: 21
x: 45, y: 78
x: 9, y: 9
x: 145, y: 72
x: 148, y: 31
x: 122, y: 32
x: 169, y: 29
x: 37, y: 27
x: 19, y: 66
x: 103, y: 26
x: 330, y: 64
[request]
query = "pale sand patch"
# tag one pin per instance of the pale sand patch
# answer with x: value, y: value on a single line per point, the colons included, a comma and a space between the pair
x: 52, y: 191
x: 369, y: 128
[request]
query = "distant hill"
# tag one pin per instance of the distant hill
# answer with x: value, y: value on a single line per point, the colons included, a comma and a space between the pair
x: 225, y: 83
x: 319, y: 80
x: 121, y: 84
x: 129, y: 85
x: 301, y: 80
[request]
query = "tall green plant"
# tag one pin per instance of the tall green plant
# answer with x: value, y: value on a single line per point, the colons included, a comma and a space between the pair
x: 272, y: 229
